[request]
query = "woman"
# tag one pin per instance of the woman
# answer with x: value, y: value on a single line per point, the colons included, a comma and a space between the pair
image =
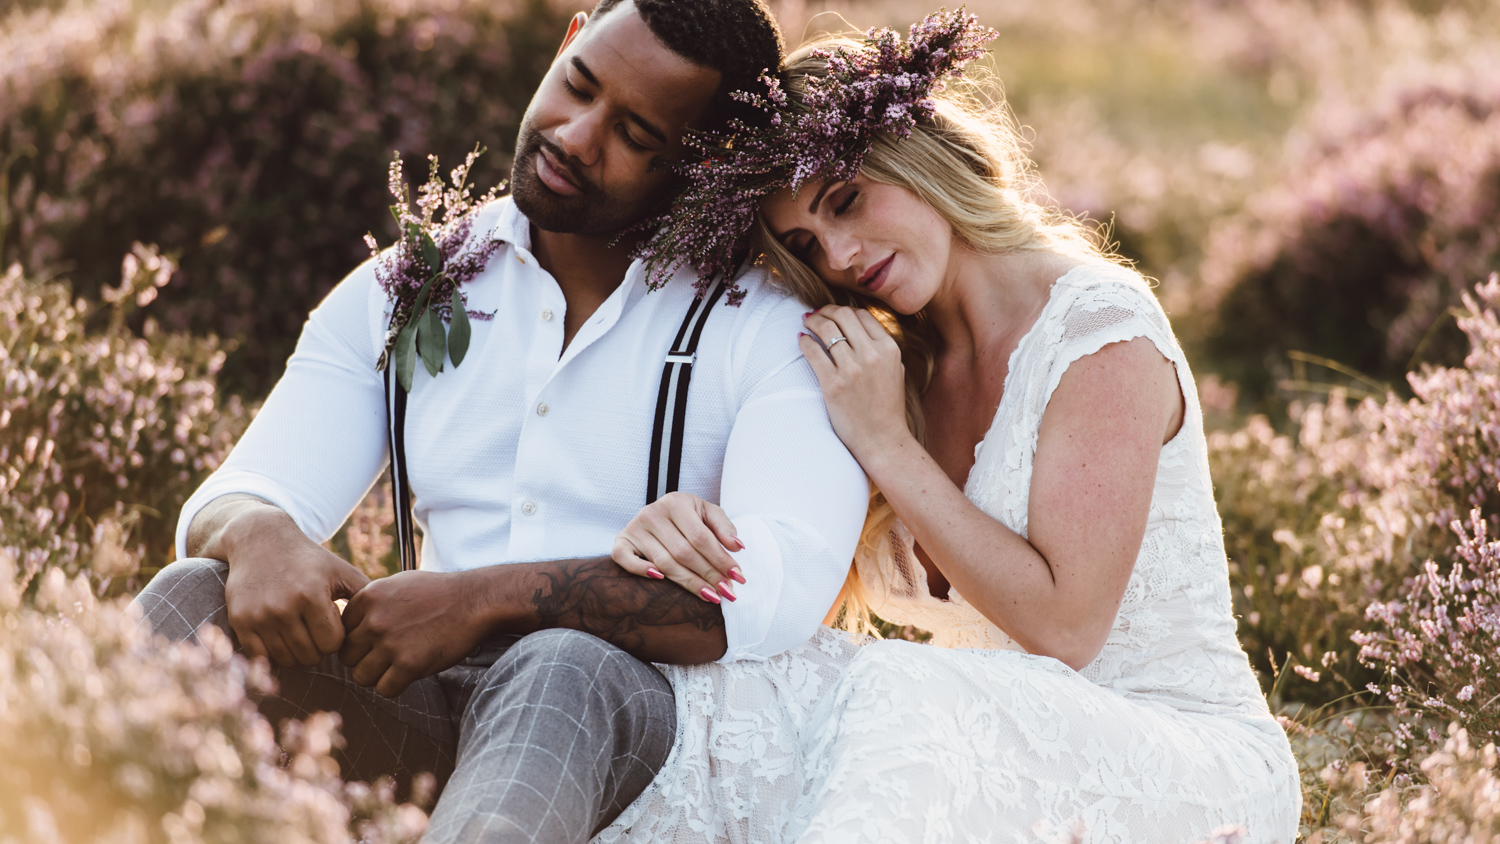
x: 1043, y: 450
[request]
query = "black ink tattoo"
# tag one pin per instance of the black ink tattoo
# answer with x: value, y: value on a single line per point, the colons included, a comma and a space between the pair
x: 655, y: 620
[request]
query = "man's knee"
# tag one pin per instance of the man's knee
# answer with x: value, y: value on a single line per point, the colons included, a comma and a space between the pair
x: 602, y: 668
x: 183, y: 597
x: 571, y: 671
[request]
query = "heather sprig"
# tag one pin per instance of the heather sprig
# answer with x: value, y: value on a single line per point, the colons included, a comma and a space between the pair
x: 886, y: 86
x: 422, y: 273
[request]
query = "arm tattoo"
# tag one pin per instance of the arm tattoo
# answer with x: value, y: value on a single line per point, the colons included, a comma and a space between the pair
x: 652, y: 619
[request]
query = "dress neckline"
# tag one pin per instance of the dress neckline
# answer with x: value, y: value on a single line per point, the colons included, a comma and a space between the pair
x: 1010, y: 368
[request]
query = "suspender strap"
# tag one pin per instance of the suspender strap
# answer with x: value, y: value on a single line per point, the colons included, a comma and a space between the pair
x: 400, y: 487
x: 671, y: 398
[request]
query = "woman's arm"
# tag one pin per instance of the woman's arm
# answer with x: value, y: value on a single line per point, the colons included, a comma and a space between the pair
x: 1092, y: 479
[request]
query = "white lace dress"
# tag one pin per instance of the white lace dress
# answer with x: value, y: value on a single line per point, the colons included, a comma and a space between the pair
x: 1164, y: 737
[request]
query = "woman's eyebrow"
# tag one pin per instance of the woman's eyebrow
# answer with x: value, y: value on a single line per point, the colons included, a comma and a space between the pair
x: 819, y: 196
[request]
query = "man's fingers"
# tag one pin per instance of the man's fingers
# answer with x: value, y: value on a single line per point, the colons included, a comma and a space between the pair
x: 371, y: 668
x: 277, y: 649
x: 347, y: 581
x: 357, y: 645
x: 300, y: 643
x: 251, y: 644
x: 326, y: 627
x: 393, y: 682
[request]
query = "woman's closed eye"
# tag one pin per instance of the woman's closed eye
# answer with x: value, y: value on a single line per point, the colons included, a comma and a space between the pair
x: 845, y: 202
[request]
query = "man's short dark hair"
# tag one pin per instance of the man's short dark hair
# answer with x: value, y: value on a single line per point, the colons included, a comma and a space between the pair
x: 738, y: 38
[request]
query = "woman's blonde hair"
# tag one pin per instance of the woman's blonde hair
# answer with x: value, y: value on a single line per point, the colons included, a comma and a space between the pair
x: 968, y: 162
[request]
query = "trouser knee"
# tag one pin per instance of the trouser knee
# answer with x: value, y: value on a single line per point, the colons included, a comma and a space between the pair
x: 183, y: 597
x: 569, y: 667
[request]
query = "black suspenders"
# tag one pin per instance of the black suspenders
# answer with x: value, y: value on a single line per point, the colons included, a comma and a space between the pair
x: 671, y: 418
x: 671, y: 398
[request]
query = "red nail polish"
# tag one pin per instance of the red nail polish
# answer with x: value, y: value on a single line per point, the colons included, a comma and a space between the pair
x: 654, y: 574
x: 726, y: 591
x: 709, y: 596
x: 738, y: 541
x: 736, y: 575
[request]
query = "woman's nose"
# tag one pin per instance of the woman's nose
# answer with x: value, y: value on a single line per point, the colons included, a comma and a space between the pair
x: 841, y: 249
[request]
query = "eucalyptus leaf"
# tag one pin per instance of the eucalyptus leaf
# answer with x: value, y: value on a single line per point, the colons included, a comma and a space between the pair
x: 431, y: 255
x: 459, y: 331
x: 406, y: 355
x: 432, y: 341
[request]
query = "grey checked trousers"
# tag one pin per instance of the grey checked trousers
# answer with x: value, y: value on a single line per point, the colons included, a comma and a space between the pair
x: 539, y: 738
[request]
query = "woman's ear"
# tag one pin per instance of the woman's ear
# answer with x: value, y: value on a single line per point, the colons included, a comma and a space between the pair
x: 573, y: 27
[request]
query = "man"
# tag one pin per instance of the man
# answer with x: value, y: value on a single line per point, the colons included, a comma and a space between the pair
x: 511, y: 665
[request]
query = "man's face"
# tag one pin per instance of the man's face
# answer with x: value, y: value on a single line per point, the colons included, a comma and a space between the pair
x: 592, y: 153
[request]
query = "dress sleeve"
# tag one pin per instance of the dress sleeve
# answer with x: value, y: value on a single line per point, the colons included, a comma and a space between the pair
x: 1114, y: 305
x: 795, y: 494
x: 318, y: 443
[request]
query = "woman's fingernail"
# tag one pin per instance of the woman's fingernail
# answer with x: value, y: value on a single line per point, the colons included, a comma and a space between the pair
x: 735, y: 574
x: 654, y: 574
x: 808, y: 314
x: 726, y: 590
x: 709, y: 596
x: 738, y: 541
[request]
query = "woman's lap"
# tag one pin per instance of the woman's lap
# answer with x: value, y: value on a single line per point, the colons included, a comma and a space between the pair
x: 899, y: 741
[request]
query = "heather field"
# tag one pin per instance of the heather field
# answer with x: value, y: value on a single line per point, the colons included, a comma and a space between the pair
x: 1314, y: 184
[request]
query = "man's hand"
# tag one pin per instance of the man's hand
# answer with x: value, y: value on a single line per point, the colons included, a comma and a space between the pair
x: 412, y: 625
x: 282, y: 586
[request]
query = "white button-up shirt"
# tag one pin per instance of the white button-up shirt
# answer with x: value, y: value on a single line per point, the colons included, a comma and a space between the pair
x: 532, y: 451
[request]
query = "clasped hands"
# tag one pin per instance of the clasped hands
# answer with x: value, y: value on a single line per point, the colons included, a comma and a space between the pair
x: 393, y: 631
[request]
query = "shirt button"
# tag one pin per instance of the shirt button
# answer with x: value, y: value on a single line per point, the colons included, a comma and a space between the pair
x: 541, y: 409
x: 528, y: 508
x: 547, y: 315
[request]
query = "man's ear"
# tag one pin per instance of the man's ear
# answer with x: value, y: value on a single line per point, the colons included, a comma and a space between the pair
x: 573, y: 27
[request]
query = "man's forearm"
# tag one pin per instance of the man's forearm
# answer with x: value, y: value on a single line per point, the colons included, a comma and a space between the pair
x: 654, y: 620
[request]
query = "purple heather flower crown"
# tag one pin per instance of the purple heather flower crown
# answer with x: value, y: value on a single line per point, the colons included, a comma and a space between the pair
x: 884, y: 86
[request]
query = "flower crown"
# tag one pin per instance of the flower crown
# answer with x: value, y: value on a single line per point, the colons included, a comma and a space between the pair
x: 884, y: 86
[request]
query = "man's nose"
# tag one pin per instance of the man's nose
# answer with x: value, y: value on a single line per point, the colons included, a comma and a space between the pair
x: 581, y: 136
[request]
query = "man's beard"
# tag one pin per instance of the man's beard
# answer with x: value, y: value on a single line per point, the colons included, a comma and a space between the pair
x: 591, y: 212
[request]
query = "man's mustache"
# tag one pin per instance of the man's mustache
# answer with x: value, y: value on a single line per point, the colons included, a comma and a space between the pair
x: 565, y: 161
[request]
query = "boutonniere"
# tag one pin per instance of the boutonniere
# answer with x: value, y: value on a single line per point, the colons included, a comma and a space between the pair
x: 423, y: 272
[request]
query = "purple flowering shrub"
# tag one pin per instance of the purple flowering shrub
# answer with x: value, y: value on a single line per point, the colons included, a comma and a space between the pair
x: 110, y: 734
x: 1361, y: 253
x: 247, y: 137
x: 1458, y: 800
x: 1439, y: 643
x: 1322, y: 525
x: 103, y: 433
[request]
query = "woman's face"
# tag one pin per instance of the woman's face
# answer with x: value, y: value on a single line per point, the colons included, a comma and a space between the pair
x: 876, y: 239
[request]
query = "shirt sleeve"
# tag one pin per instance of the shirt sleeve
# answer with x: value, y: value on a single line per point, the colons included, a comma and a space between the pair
x: 318, y: 443
x: 795, y: 494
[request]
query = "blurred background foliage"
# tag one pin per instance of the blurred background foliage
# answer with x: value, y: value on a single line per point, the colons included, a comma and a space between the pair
x: 1314, y: 184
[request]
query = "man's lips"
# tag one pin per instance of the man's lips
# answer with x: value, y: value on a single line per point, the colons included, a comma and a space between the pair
x: 555, y: 176
x: 874, y: 277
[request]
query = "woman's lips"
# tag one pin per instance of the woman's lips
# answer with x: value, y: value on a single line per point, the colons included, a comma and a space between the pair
x: 875, y: 277
x: 553, y: 176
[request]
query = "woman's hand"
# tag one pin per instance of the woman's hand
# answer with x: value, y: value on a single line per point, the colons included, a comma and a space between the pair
x: 682, y: 538
x: 863, y: 380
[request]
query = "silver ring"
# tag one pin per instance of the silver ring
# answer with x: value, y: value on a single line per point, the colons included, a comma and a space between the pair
x: 834, y: 342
